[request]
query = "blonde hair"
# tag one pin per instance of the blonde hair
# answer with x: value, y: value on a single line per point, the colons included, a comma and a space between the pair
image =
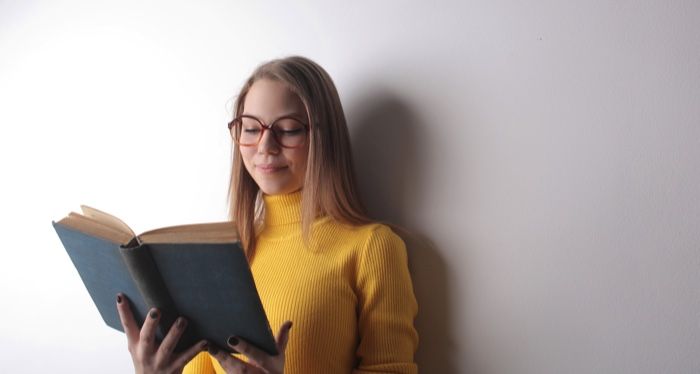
x: 329, y: 185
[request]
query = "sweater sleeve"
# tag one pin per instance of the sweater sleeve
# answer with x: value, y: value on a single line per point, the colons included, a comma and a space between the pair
x: 200, y: 364
x: 387, y: 306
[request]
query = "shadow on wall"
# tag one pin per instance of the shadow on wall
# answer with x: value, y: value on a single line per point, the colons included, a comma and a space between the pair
x: 386, y: 146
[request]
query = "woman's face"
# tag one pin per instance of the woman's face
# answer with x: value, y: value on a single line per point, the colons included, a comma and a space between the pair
x: 276, y: 170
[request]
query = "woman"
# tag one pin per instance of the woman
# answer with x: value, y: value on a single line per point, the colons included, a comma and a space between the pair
x: 316, y: 258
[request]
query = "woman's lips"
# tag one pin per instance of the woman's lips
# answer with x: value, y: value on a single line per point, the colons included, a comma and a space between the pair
x: 270, y: 168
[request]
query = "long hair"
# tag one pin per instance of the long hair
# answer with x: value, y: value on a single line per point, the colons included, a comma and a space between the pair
x: 329, y: 184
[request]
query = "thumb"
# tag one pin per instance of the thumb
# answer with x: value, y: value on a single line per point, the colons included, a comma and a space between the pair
x: 283, y: 336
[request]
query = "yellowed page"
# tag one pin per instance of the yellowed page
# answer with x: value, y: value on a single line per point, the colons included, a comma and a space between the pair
x: 106, y: 226
x: 215, y: 232
x: 107, y: 219
x: 96, y: 228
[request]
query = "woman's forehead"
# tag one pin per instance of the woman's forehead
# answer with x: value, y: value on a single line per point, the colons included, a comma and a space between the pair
x: 272, y: 98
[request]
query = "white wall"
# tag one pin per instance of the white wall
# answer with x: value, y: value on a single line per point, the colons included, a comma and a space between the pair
x: 544, y: 154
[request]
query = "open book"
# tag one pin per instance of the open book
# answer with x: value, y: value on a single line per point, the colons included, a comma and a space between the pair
x: 198, y: 271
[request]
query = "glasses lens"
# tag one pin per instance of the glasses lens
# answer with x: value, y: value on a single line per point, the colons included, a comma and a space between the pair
x: 289, y: 132
x: 248, y: 131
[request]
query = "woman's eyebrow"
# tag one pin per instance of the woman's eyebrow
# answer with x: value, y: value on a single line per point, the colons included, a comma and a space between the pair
x: 290, y: 114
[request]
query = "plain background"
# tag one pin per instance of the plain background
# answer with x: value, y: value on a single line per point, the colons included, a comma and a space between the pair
x: 543, y: 155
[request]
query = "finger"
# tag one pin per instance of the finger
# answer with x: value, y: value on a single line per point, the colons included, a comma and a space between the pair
x: 148, y: 330
x: 255, y: 355
x: 127, y: 318
x: 183, y: 358
x: 167, y: 346
x: 230, y: 363
x: 283, y: 336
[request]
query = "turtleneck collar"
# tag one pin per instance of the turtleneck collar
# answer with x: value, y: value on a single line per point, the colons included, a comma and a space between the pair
x: 282, y: 209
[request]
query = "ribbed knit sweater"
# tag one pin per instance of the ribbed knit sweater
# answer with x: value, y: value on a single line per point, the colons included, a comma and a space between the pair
x: 349, y: 294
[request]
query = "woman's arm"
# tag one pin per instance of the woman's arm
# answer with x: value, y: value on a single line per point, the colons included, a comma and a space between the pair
x: 387, y: 306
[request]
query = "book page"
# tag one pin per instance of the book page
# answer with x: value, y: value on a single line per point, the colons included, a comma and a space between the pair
x: 107, y: 219
x: 106, y: 226
x: 92, y: 227
x: 216, y: 232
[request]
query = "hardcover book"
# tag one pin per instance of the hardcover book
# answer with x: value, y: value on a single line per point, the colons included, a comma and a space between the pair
x: 197, y: 271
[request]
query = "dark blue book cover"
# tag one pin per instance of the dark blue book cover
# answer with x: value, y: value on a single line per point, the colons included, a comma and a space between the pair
x: 208, y: 283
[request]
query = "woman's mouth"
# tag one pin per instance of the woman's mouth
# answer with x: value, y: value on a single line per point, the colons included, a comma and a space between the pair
x: 270, y: 168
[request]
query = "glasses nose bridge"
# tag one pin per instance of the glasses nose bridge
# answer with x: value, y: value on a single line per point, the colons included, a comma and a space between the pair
x: 272, y: 134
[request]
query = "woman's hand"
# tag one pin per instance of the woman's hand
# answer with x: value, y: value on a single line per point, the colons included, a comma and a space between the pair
x: 148, y: 356
x: 260, y: 362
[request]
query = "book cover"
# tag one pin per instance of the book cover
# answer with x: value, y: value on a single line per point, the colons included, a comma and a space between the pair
x: 197, y: 271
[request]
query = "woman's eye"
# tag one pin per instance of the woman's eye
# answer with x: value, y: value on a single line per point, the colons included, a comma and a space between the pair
x: 252, y: 130
x: 289, y: 127
x: 291, y: 132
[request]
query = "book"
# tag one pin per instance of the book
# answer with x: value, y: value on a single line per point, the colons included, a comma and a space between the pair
x: 198, y: 271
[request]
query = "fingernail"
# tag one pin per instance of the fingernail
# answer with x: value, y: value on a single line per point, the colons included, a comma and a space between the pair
x: 154, y: 313
x: 119, y: 299
x: 290, y: 325
x: 205, y: 346
x: 232, y: 341
x: 181, y: 322
x: 212, y: 349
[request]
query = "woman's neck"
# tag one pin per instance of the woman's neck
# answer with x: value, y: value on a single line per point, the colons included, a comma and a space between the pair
x: 282, y: 209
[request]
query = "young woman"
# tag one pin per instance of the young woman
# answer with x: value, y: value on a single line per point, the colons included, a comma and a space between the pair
x: 317, y: 259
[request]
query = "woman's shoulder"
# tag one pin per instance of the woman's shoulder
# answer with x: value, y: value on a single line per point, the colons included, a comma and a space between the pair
x: 374, y: 229
x: 367, y: 236
x: 381, y: 231
x: 382, y: 252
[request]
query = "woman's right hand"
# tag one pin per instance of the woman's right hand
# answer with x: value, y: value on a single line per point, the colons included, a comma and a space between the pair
x: 147, y: 355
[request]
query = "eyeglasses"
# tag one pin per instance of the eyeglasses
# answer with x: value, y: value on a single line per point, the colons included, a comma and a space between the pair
x: 288, y: 131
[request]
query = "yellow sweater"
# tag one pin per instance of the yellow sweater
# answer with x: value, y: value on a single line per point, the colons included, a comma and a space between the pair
x: 349, y: 295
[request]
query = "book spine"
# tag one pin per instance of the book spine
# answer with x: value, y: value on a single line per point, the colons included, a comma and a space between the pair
x: 145, y: 274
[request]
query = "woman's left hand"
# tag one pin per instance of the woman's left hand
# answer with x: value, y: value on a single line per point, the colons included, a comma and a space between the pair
x: 259, y: 361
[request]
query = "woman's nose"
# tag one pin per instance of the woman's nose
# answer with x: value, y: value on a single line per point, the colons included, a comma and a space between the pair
x: 268, y: 143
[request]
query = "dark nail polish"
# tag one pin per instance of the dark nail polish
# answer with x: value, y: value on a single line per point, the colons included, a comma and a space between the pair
x: 119, y: 299
x: 212, y: 349
x: 232, y: 341
x: 205, y: 346
x: 154, y: 314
